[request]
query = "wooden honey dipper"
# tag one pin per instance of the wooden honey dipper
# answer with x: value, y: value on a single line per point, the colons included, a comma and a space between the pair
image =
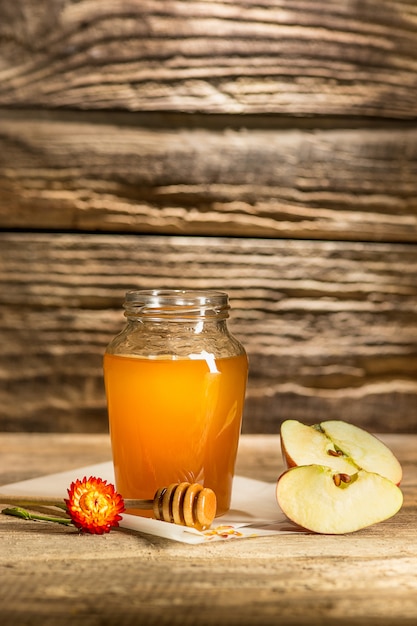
x: 187, y: 504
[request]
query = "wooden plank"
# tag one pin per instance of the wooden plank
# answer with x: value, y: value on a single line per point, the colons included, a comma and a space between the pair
x: 74, y: 172
x: 30, y: 455
x: 48, y: 454
x: 330, y: 327
x: 50, y: 573
x: 291, y: 58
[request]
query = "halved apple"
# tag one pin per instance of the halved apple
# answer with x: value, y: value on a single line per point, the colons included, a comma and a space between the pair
x: 343, y: 447
x: 324, y: 501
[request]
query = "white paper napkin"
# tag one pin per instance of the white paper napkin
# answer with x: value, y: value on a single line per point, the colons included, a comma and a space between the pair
x: 254, y: 510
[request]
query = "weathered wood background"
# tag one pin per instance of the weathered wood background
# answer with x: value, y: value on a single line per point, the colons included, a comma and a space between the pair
x: 267, y: 148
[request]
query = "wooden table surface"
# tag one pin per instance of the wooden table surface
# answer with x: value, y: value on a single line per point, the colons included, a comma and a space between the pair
x: 51, y: 575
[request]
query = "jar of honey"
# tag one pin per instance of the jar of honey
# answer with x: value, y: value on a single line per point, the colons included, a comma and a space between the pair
x: 175, y: 382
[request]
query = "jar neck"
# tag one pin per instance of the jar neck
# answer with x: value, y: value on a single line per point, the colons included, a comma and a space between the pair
x: 195, y: 308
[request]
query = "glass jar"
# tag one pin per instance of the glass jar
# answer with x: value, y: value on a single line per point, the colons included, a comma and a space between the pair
x: 175, y: 383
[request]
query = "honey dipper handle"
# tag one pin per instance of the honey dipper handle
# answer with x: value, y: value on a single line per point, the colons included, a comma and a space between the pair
x: 131, y: 503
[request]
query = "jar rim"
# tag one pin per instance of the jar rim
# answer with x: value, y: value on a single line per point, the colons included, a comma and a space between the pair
x: 176, y: 302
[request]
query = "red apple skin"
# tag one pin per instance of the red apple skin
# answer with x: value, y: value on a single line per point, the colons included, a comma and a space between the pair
x: 289, y: 462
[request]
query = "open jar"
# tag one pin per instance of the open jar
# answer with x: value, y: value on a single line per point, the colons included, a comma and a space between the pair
x: 175, y: 383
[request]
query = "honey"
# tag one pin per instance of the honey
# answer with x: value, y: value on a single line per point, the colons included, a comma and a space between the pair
x: 173, y: 421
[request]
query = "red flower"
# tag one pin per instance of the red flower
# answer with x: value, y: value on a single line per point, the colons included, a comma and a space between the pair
x: 94, y: 506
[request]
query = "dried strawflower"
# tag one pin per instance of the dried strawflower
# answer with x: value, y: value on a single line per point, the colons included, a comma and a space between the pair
x: 94, y: 505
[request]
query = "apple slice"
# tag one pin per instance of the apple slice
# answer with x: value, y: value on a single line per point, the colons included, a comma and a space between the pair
x: 323, y: 501
x: 343, y: 447
x: 367, y: 451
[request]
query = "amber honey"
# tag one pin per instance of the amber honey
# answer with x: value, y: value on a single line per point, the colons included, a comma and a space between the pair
x: 175, y: 419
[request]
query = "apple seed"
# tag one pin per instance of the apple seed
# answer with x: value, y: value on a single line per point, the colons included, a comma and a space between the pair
x: 341, y: 478
x: 334, y: 452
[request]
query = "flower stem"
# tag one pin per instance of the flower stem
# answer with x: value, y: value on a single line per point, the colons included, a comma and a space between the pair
x: 18, y: 511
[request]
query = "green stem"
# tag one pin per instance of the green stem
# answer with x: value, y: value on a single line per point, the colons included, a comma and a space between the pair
x: 17, y: 511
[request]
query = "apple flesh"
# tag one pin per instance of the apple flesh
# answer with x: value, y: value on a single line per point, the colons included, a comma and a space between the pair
x: 323, y: 501
x: 341, y: 446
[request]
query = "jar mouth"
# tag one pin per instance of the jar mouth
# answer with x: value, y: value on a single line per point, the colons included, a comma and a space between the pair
x: 176, y: 303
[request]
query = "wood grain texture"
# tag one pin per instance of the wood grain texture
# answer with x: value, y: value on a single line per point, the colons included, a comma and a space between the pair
x: 167, y: 138
x: 330, y: 327
x: 31, y: 455
x: 293, y: 58
x: 76, y: 173
x: 51, y: 575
